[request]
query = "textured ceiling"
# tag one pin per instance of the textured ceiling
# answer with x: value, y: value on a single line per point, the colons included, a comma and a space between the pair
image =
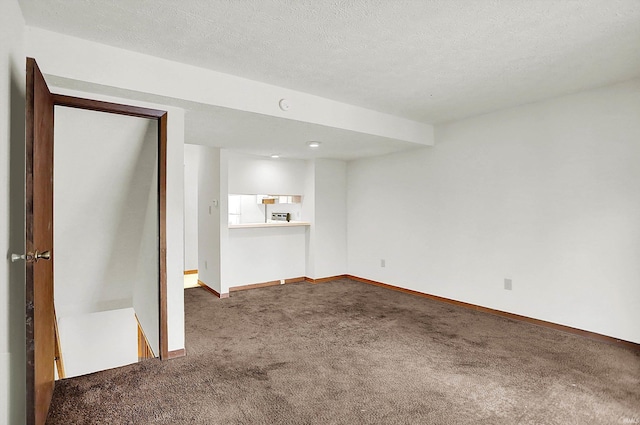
x: 430, y: 61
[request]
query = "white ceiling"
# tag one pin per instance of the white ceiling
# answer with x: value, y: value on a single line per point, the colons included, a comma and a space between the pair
x: 430, y: 61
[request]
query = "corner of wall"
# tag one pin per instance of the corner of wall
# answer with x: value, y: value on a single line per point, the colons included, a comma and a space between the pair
x: 223, y: 221
x: 12, y: 160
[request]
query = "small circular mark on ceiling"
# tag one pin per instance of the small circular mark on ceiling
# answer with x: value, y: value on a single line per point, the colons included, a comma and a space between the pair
x: 284, y: 104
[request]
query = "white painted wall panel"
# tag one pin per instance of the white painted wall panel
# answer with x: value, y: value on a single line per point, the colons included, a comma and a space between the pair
x: 330, y: 219
x: 545, y: 194
x: 309, y: 215
x: 209, y: 216
x: 12, y: 276
x: 175, y: 225
x: 222, y: 221
x: 145, y: 289
x: 265, y: 254
x: 191, y: 161
x: 104, y: 173
x: 250, y: 174
x: 98, y: 341
x: 106, y: 216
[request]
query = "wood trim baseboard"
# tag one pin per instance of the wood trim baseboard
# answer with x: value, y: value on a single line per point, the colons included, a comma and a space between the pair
x: 186, y: 272
x: 326, y: 279
x: 174, y: 354
x: 265, y: 284
x: 58, y: 348
x: 294, y: 280
x: 286, y: 281
x: 538, y: 322
x: 208, y: 288
x: 144, y: 348
x: 512, y: 316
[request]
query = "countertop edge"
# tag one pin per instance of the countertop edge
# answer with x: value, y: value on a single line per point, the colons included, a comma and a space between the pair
x: 256, y: 225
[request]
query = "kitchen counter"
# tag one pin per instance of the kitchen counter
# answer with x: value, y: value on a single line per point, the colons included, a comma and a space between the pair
x: 264, y: 252
x: 270, y: 224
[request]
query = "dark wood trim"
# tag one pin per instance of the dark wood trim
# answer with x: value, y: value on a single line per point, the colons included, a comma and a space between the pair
x: 294, y: 280
x: 538, y: 322
x: 208, y: 288
x: 162, y: 232
x: 174, y: 354
x: 286, y: 281
x: 265, y: 284
x: 254, y: 286
x: 40, y: 338
x: 29, y: 289
x: 161, y: 117
x: 326, y: 279
x: 268, y: 284
x: 112, y: 108
x: 186, y: 272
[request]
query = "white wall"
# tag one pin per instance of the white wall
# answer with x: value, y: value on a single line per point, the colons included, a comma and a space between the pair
x: 249, y: 174
x: 12, y: 276
x: 222, y: 221
x: 191, y: 160
x: 175, y: 226
x: 84, y: 60
x: 545, y: 194
x: 330, y: 219
x: 309, y: 215
x: 106, y: 221
x: 209, y: 216
x: 265, y: 254
x: 104, y: 173
x: 83, y: 353
x: 147, y: 277
x: 325, y: 207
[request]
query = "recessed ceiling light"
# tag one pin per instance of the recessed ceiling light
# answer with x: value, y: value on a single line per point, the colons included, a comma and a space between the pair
x: 275, y: 156
x: 314, y: 145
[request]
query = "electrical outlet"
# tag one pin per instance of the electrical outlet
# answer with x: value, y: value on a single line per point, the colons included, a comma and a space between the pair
x: 281, y: 281
x: 383, y: 263
x: 507, y: 284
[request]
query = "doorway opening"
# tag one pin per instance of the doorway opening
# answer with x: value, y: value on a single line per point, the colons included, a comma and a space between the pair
x: 39, y: 224
x: 106, y: 238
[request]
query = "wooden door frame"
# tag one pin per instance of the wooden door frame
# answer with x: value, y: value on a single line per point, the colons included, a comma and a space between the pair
x: 161, y: 118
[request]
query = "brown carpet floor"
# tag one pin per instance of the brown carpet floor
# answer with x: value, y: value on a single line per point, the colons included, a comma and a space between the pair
x: 345, y: 352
